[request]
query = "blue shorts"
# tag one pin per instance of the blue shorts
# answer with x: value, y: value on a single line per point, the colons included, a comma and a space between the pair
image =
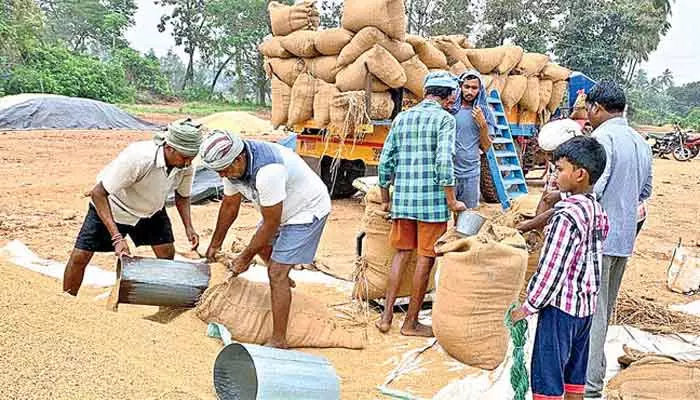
x: 297, y: 244
x: 467, y: 191
x: 560, y: 355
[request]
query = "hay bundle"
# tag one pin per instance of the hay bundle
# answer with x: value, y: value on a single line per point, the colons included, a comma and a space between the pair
x: 354, y: 77
x: 245, y: 308
x: 546, y: 87
x: 281, y: 97
x: 286, y: 69
x: 514, y: 89
x: 287, y: 19
x: 531, y: 98
x: 511, y: 58
x: 558, y: 92
x: 272, y: 48
x: 301, y: 43
x: 331, y: 41
x: 428, y: 54
x: 387, y: 15
x: 555, y: 72
x: 301, y: 107
x: 325, y: 68
x: 415, y: 75
x: 653, y: 317
x: 486, y: 60
x: 322, y: 102
x: 532, y: 64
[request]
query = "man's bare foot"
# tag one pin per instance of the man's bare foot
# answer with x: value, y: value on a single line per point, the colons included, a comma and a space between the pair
x: 417, y: 330
x: 383, y: 326
x: 278, y: 344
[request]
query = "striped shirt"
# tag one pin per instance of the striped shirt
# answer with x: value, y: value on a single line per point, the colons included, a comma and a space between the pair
x: 568, y: 275
x: 418, y: 157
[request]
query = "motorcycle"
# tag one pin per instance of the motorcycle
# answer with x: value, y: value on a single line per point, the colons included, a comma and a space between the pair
x: 689, y: 147
x: 665, y: 144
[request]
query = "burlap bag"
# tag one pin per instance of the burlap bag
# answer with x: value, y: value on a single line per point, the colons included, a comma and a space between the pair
x: 354, y: 77
x: 381, y: 106
x: 558, y: 92
x: 244, y: 308
x: 555, y: 72
x: 511, y: 58
x: 453, y: 52
x: 366, y: 39
x: 498, y: 82
x: 479, y: 279
x: 272, y: 48
x: 457, y: 69
x: 486, y: 60
x: 429, y: 55
x: 281, y: 97
x: 322, y: 102
x: 286, y: 19
x: 331, y: 42
x: 535, y: 240
x: 325, y: 68
x: 415, y: 75
x: 286, y: 69
x: 531, y: 98
x: 486, y: 81
x: 656, y: 378
x: 387, y: 15
x: 546, y: 87
x: 301, y: 43
x: 301, y: 107
x: 459, y: 40
x: 514, y: 90
x: 532, y: 64
x: 683, y: 275
x: 385, y: 67
x: 348, y: 110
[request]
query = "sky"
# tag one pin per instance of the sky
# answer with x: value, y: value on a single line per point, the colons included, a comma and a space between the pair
x: 676, y: 50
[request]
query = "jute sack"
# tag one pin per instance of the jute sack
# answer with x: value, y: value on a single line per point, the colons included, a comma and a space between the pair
x: 479, y: 279
x: 511, y: 58
x: 555, y: 72
x: 385, y: 67
x: 272, y: 48
x: 486, y: 81
x: 415, y: 75
x: 330, y: 42
x: 486, y: 60
x: 498, y: 82
x: 546, y: 87
x: 301, y: 107
x: 325, y: 68
x: 579, y: 111
x: 453, y: 52
x: 531, y: 98
x: 558, y: 91
x: 656, y: 378
x: 459, y: 40
x: 387, y: 15
x: 287, y: 19
x: 301, y: 43
x: 281, y: 97
x: 683, y: 275
x: 381, y: 106
x: 535, y: 240
x: 322, y: 102
x: 244, y: 308
x: 532, y: 64
x: 286, y: 69
x: 514, y: 90
x: 366, y: 39
x: 430, y: 55
x: 353, y: 77
x: 457, y: 69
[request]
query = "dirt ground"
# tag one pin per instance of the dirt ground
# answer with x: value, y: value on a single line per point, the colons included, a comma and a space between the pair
x: 53, y: 346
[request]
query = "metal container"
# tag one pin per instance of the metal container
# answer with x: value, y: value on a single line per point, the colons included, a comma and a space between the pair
x: 469, y: 223
x: 251, y: 372
x: 156, y: 282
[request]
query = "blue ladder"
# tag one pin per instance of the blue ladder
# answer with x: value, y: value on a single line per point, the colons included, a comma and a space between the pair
x: 504, y: 163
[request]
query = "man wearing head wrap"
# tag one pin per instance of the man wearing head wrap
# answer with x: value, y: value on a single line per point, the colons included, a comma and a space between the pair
x: 129, y: 200
x: 418, y: 159
x: 294, y: 204
x: 475, y: 123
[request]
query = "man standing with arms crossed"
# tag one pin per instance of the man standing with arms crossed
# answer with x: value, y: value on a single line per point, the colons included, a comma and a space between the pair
x: 418, y: 159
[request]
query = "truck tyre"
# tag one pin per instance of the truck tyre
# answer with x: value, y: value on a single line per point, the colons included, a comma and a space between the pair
x: 340, y: 185
x: 488, y: 189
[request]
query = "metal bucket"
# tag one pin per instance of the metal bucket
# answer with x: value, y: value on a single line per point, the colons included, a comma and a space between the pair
x: 156, y: 282
x: 251, y: 372
x: 469, y: 223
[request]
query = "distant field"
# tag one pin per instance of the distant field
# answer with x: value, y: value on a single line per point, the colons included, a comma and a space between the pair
x: 196, y: 109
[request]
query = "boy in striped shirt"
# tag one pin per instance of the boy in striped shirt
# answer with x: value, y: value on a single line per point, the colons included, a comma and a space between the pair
x: 564, y: 290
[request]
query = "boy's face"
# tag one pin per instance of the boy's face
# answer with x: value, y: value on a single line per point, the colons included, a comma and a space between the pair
x: 570, y: 177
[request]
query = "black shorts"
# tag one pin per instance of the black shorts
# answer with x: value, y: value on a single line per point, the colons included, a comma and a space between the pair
x: 152, y: 231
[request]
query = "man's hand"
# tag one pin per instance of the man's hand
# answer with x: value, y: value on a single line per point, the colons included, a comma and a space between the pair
x: 479, y: 117
x: 239, y: 266
x: 211, y: 253
x: 121, y: 248
x: 457, y: 206
x: 517, y: 315
x: 386, y: 207
x: 551, y: 198
x: 193, y: 237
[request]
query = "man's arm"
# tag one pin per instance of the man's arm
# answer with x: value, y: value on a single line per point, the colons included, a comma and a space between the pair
x: 444, y: 163
x: 602, y: 183
x: 228, y: 212
x: 272, y: 218
x: 183, y: 208
x: 387, y: 168
x: 648, y: 182
x: 100, y: 198
x: 537, y: 223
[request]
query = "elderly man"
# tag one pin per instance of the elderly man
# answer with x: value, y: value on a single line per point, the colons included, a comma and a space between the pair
x: 418, y: 158
x: 475, y: 123
x: 129, y: 200
x: 626, y: 181
x: 294, y: 204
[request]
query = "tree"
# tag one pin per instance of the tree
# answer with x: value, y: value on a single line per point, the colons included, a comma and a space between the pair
x: 527, y: 23
x: 173, y: 69
x: 188, y: 21
x: 331, y: 13
x: 21, y: 28
x: 143, y: 71
x: 439, y: 17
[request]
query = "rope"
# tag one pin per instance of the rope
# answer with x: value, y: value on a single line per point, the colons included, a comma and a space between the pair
x: 519, y: 379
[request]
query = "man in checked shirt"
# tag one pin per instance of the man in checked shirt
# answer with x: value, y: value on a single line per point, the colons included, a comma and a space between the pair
x: 564, y: 290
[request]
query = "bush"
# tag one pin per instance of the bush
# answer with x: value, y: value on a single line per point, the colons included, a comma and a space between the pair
x: 143, y: 72
x: 692, y: 120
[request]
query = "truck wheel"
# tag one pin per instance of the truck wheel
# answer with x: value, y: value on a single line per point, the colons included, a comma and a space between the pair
x: 488, y: 189
x: 339, y: 182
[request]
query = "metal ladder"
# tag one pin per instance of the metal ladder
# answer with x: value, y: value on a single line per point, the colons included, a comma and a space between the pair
x: 504, y: 163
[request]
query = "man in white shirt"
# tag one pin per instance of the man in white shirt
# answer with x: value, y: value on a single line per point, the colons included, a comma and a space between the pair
x: 129, y: 200
x: 294, y: 204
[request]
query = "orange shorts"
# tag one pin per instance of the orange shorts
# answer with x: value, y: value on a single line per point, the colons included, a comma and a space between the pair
x: 407, y: 234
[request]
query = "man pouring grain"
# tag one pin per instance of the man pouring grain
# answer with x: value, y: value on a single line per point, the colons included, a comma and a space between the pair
x: 294, y: 204
x: 129, y: 200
